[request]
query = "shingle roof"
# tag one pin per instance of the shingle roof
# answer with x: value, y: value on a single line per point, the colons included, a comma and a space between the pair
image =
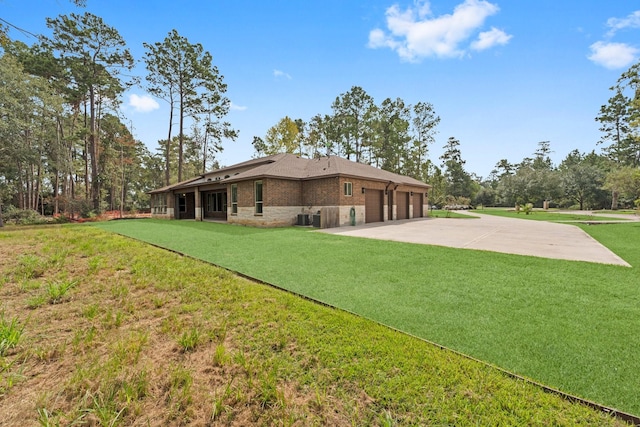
x: 171, y: 186
x: 290, y: 166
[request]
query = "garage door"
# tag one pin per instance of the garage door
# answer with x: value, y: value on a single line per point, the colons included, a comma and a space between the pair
x: 402, y: 208
x: 373, y: 206
x: 417, y: 205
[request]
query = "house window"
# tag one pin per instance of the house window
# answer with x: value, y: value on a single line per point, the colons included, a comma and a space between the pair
x: 234, y: 198
x: 182, y: 204
x: 216, y: 202
x: 159, y: 202
x: 258, y: 197
x: 348, y: 189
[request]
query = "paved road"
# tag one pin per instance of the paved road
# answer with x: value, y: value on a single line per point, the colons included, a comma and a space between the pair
x: 492, y: 233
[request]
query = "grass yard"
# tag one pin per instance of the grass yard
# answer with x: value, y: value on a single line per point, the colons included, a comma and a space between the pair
x: 552, y: 215
x: 97, y: 329
x: 570, y: 325
x: 439, y: 213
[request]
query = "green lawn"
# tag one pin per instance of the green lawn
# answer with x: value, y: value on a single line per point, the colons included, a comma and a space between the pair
x: 439, y: 213
x: 144, y: 336
x: 552, y: 215
x: 570, y: 325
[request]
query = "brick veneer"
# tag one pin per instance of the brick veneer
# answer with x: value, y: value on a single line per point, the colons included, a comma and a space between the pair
x: 284, y: 199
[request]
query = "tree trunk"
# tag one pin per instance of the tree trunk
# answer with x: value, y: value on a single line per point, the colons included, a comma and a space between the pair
x: 180, y: 139
x: 56, y: 187
x: 167, y: 173
x: 93, y: 150
x: 85, y: 156
x: 614, y: 200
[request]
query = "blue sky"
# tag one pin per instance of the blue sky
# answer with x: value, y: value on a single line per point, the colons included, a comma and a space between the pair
x: 502, y: 74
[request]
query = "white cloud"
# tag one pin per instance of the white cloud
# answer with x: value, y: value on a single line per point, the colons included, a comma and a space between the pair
x: 489, y: 39
x: 415, y: 34
x: 143, y: 104
x: 236, y: 107
x: 617, y: 24
x: 281, y: 74
x: 613, y: 55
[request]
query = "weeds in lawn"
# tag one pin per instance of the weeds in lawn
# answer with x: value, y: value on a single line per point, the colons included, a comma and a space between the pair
x: 220, y: 356
x: 119, y: 291
x: 49, y: 352
x: 386, y: 419
x: 268, y: 394
x: 91, y: 311
x: 36, y: 301
x: 28, y: 285
x: 219, y: 407
x: 106, y: 409
x: 159, y: 301
x: 112, y: 319
x: 179, y: 393
x: 189, y: 340
x: 57, y: 291
x: 127, y: 351
x: 83, y: 338
x: 9, y: 376
x: 30, y: 267
x: 10, y: 333
x: 94, y: 264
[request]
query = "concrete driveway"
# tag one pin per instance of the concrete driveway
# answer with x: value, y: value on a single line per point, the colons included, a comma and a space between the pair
x: 492, y: 233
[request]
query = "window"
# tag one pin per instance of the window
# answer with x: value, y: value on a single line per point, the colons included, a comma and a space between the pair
x: 348, y: 189
x: 159, y: 203
x: 234, y: 198
x: 258, y: 196
x: 182, y: 204
x: 216, y: 202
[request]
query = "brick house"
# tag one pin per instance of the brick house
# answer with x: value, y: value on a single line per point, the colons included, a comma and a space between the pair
x: 285, y: 189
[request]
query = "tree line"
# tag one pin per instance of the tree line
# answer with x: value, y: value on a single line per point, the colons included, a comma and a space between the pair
x: 66, y: 147
x: 64, y: 144
x: 396, y: 136
x: 393, y: 136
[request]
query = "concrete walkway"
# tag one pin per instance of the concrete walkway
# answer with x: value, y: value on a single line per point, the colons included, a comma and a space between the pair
x: 492, y: 233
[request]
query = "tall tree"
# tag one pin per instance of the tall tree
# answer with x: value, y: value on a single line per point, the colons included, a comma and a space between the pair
x: 542, y: 159
x: 183, y: 74
x: 283, y: 137
x: 458, y: 180
x: 615, y: 120
x: 94, y: 54
x: 320, y: 138
x: 29, y: 107
x: 625, y: 182
x: 352, y: 116
x: 581, y: 180
x: 423, y: 125
x: 390, y: 135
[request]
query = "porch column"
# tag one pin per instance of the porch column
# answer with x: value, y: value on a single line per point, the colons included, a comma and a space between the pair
x: 198, y: 201
x: 171, y: 205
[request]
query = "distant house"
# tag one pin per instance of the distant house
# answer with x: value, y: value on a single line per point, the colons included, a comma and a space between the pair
x: 285, y: 189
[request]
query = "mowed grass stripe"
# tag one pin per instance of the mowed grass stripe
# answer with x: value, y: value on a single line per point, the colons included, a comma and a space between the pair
x: 570, y: 325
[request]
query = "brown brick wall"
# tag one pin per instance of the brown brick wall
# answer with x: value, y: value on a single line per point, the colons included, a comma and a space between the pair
x: 315, y: 193
x: 280, y: 192
x: 321, y: 192
x: 245, y: 194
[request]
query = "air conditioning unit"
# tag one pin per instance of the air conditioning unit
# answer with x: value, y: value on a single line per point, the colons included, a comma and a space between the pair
x: 316, y: 220
x: 303, y: 219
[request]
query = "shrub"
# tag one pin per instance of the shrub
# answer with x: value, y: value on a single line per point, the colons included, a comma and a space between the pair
x: 13, y: 215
